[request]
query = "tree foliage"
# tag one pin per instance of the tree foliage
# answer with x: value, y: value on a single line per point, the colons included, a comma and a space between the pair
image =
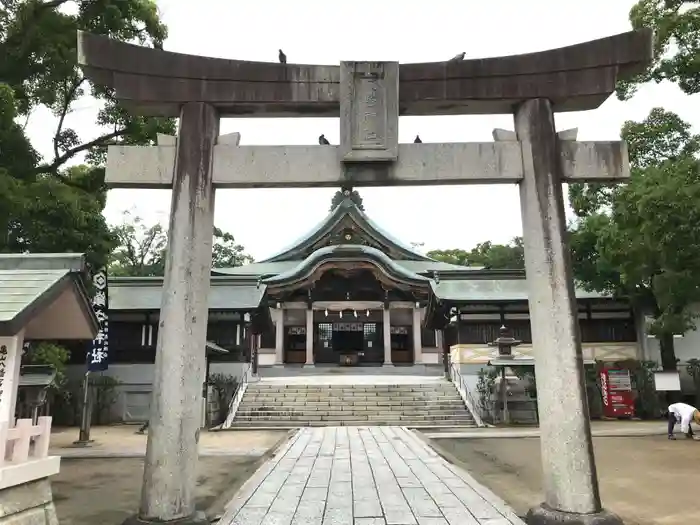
x: 486, y: 254
x: 640, y: 240
x: 676, y: 25
x: 226, y: 252
x: 346, y: 193
x: 45, y: 205
x: 141, y: 249
x: 48, y: 353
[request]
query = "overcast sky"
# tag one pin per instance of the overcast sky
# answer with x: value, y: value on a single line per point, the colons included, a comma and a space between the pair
x: 323, y: 32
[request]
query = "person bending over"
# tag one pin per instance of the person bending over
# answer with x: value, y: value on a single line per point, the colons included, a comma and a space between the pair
x: 685, y: 414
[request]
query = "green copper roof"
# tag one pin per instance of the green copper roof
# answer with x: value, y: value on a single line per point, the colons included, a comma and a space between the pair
x: 31, y: 282
x: 74, y: 262
x: 345, y: 252
x: 146, y: 294
x: 20, y: 289
x: 491, y: 290
x: 275, y: 268
x: 344, y: 209
x: 258, y: 268
x: 227, y: 294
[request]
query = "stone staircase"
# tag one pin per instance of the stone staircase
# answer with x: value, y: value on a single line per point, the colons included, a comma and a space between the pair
x: 430, y: 405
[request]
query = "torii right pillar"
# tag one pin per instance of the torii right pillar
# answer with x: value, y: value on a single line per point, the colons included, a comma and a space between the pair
x: 570, y: 480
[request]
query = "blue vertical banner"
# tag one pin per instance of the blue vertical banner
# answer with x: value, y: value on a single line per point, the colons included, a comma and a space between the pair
x: 98, y: 355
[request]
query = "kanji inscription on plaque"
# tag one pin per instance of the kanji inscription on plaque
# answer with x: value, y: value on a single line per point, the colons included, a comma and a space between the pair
x: 369, y: 103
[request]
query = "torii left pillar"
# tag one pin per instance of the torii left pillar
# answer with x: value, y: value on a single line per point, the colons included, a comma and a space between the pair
x: 169, y: 479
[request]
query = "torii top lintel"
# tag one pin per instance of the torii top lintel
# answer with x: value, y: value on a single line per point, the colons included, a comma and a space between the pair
x: 157, y: 83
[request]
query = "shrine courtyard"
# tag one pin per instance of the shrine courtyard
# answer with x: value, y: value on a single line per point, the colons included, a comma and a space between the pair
x: 101, y: 484
x: 647, y: 480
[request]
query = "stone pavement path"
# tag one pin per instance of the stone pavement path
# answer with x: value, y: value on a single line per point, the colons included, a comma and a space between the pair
x: 363, y: 476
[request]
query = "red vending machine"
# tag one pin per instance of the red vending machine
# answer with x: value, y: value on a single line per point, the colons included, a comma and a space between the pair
x: 618, y: 400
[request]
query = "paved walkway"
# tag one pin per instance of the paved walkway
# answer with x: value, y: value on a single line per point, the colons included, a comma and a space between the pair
x: 363, y: 476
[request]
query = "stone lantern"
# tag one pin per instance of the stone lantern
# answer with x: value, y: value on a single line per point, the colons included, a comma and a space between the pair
x: 505, y: 343
x: 34, y: 381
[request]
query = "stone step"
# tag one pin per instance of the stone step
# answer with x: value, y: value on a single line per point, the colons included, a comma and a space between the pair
x: 350, y: 388
x: 296, y: 424
x: 290, y: 406
x: 359, y: 400
x: 300, y: 407
x: 284, y: 411
x: 356, y: 397
x: 376, y: 388
x: 345, y: 390
x: 367, y: 407
x: 373, y: 419
x: 353, y: 403
x: 370, y: 407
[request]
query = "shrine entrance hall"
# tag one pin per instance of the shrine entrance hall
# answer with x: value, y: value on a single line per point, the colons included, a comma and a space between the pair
x: 350, y: 333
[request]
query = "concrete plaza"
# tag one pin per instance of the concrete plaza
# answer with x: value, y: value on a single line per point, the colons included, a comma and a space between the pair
x: 363, y: 476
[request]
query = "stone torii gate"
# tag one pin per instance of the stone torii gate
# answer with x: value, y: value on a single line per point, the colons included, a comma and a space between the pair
x: 368, y: 98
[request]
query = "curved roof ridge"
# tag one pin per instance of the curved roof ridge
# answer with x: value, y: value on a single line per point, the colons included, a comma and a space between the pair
x: 334, y: 214
x: 388, y: 236
x: 346, y: 207
x: 339, y: 252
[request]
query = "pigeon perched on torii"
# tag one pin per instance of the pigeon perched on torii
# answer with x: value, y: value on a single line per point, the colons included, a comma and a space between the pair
x: 282, y: 57
x: 323, y: 141
x: 458, y: 58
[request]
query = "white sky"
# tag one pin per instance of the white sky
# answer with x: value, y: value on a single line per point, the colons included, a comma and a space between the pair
x: 323, y: 32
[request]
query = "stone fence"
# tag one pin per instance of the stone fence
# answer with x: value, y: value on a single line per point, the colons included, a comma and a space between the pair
x: 17, y: 442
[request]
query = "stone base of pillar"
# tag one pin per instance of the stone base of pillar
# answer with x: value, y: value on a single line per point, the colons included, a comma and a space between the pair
x: 544, y: 515
x: 199, y: 518
x: 310, y: 366
x: 388, y: 364
x: 28, y: 504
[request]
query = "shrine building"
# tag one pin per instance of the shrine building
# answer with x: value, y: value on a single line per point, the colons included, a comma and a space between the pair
x: 349, y: 293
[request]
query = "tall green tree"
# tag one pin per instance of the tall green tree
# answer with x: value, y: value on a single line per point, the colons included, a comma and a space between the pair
x: 640, y: 240
x: 47, y: 205
x: 226, y: 252
x: 346, y: 193
x: 676, y: 25
x: 492, y: 256
x: 141, y: 249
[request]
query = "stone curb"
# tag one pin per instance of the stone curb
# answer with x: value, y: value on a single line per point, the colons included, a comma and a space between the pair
x: 106, y: 454
x: 496, y: 501
x: 490, y: 434
x: 216, y: 510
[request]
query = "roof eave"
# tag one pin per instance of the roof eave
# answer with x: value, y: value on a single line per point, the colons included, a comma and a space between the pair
x: 346, y: 253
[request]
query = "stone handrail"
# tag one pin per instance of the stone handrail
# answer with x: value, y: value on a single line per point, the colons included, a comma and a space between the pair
x: 15, y: 443
x: 237, y: 397
x: 466, y: 395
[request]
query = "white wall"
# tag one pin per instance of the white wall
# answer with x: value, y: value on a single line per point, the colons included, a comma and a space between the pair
x: 686, y: 347
x: 136, y: 381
